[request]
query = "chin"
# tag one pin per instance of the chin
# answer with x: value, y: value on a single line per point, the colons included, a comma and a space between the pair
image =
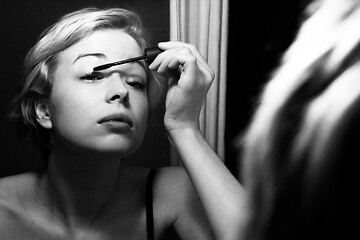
x: 122, y: 150
x: 119, y: 147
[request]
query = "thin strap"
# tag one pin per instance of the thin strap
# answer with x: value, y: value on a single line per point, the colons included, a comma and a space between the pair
x: 149, y: 205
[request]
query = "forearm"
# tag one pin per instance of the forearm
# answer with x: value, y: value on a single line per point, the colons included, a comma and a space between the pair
x: 219, y: 191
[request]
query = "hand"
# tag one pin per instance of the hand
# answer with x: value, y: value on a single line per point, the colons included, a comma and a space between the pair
x: 190, y: 78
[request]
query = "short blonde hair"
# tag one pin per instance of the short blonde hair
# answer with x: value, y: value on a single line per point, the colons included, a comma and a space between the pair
x: 41, y: 61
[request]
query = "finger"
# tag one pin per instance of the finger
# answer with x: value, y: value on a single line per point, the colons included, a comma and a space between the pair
x: 183, y: 62
x: 202, y: 62
x: 177, y: 57
x: 160, y: 58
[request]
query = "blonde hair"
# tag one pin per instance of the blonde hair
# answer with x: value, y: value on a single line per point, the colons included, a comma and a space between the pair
x: 41, y: 61
x: 295, y: 149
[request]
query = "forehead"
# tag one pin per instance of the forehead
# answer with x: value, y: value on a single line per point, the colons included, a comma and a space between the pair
x: 114, y: 44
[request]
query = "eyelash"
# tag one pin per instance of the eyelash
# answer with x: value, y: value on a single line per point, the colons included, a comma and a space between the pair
x: 131, y: 80
x: 90, y: 77
x: 136, y: 83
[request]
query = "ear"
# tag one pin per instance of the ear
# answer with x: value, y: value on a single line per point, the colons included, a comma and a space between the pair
x: 43, y: 114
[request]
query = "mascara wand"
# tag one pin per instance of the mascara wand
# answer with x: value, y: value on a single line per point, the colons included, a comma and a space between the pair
x: 150, y: 54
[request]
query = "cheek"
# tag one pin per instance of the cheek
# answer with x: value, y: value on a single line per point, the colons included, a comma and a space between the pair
x: 140, y: 104
x: 140, y: 112
x: 68, y: 105
x: 140, y: 107
x: 70, y: 113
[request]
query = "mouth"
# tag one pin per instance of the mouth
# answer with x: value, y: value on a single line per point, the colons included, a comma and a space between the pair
x: 119, y: 120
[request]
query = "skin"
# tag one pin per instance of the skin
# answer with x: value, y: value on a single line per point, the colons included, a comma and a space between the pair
x: 85, y: 192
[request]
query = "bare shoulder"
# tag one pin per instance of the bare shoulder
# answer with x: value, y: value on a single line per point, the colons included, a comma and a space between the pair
x: 11, y: 186
x: 18, y: 180
x: 14, y: 192
x: 172, y: 186
x: 176, y: 199
x: 168, y: 181
x: 172, y: 182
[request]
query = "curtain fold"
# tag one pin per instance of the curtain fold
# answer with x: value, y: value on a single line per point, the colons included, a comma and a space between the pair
x: 204, y: 23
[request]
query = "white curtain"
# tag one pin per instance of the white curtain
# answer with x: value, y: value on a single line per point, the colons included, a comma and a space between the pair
x: 204, y: 23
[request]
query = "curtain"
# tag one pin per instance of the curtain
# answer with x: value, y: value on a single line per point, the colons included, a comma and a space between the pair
x: 204, y: 23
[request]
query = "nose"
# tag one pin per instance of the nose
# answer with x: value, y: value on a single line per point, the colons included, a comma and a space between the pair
x: 117, y: 90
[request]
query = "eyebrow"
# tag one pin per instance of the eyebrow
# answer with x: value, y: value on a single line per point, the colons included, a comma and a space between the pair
x: 98, y: 55
x: 136, y: 60
x: 103, y: 56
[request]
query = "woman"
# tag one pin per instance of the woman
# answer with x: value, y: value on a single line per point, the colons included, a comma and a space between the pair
x: 300, y: 153
x: 86, y: 122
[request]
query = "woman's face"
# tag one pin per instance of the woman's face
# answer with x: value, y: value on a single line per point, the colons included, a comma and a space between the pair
x: 103, y: 111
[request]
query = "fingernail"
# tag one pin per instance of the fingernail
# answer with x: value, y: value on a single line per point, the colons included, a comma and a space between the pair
x: 151, y: 67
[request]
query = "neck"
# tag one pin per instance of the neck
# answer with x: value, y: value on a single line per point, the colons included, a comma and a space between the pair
x: 78, y: 187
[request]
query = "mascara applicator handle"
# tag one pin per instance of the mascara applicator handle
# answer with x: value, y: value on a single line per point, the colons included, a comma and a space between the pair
x: 151, y: 53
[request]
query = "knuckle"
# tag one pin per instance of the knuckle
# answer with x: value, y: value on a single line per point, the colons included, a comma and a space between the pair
x: 192, y: 59
x: 185, y: 50
x: 191, y: 46
x: 212, y: 74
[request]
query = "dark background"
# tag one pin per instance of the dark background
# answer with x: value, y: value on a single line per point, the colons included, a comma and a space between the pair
x: 259, y: 32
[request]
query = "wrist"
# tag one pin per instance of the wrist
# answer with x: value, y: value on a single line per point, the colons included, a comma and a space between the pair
x: 184, y: 132
x: 183, y: 135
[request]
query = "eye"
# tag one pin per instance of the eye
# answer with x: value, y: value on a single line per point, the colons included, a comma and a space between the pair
x: 92, y: 77
x: 136, y: 82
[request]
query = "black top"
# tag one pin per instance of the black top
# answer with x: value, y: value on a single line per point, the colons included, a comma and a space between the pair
x: 149, y: 205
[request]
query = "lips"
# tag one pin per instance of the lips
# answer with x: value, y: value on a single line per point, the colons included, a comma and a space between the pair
x: 119, y: 119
